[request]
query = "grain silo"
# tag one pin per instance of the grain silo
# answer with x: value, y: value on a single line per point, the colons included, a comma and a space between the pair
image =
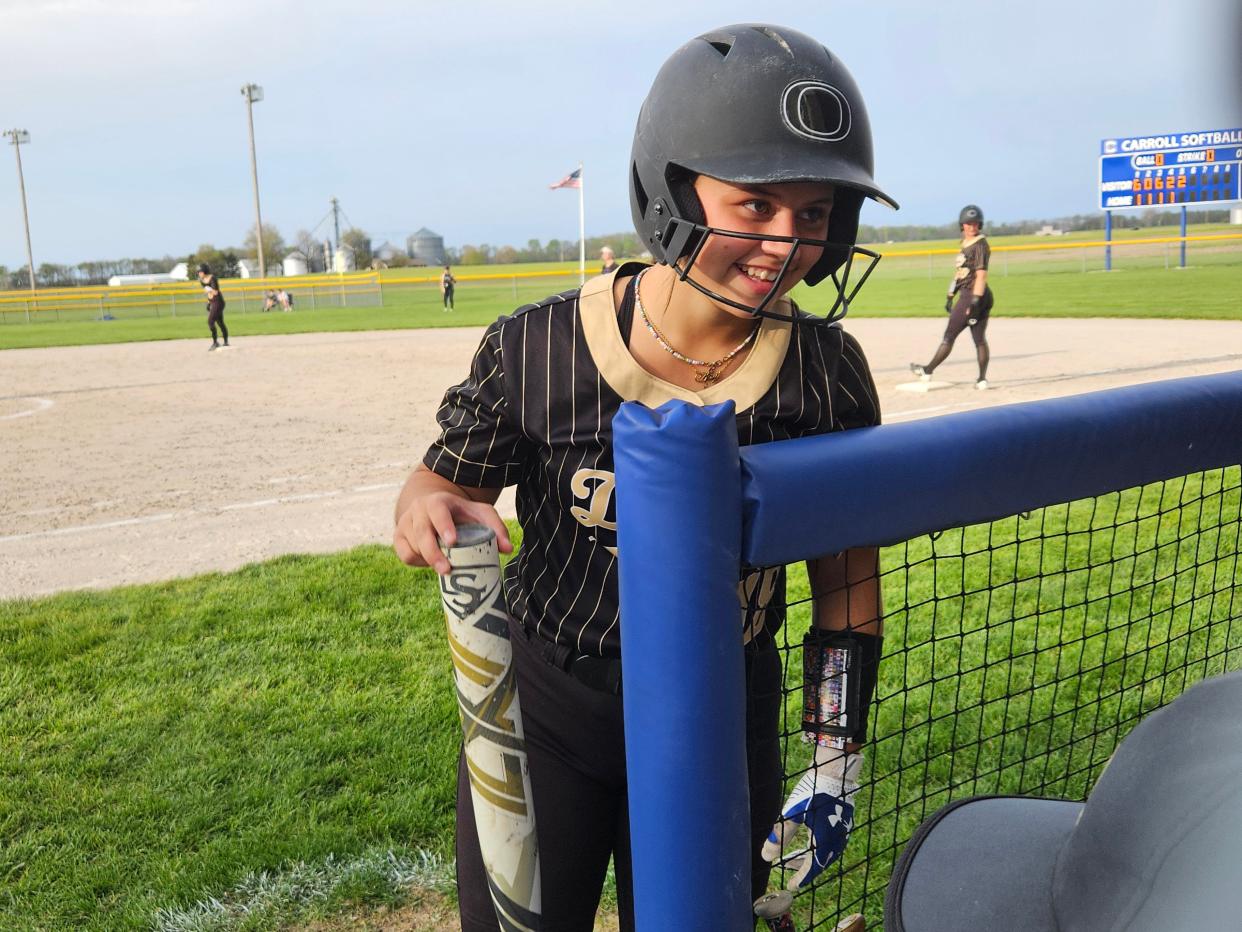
x: 426, y: 247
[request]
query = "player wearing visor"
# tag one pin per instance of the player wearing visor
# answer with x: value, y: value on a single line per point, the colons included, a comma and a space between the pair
x: 752, y: 157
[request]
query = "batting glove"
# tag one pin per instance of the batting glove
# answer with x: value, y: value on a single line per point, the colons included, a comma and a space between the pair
x: 948, y: 304
x: 976, y: 303
x: 823, y: 801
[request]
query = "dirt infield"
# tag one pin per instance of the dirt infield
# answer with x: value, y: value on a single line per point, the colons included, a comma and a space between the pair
x: 146, y: 461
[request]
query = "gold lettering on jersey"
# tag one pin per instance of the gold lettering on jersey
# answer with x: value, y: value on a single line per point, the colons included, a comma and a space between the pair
x: 592, y: 490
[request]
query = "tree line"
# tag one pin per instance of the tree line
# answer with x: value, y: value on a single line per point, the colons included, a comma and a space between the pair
x: 554, y: 250
x: 224, y: 260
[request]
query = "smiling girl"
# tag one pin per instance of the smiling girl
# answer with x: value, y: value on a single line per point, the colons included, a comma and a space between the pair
x: 751, y: 160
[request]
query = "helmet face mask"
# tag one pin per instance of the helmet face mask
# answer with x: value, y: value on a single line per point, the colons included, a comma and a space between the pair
x: 753, y: 105
x: 699, y: 235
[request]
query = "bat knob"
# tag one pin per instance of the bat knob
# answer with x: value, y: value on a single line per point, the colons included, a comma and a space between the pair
x: 773, y: 905
x: 774, y: 910
x: 852, y: 923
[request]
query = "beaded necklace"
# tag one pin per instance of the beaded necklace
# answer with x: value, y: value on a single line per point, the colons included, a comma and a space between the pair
x: 711, y: 373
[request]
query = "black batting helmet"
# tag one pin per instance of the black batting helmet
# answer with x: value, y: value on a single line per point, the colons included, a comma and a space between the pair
x: 204, y: 268
x: 970, y: 214
x: 750, y: 104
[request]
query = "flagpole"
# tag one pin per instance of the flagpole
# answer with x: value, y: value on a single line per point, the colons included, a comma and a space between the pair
x: 581, y: 226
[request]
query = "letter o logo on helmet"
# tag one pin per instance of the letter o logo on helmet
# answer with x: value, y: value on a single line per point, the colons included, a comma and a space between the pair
x: 816, y: 111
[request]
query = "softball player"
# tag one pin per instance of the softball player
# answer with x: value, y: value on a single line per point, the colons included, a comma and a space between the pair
x: 969, y: 302
x: 215, y: 306
x: 447, y: 284
x: 750, y: 163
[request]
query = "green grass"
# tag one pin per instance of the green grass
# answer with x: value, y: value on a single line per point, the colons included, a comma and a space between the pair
x: 1070, y: 284
x: 411, y: 307
x: 161, y: 742
x: 1145, y: 282
x: 235, y: 751
x: 1018, y: 654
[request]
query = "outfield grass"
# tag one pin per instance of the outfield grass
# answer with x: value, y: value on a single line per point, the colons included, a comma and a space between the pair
x: 1145, y: 282
x: 167, y: 744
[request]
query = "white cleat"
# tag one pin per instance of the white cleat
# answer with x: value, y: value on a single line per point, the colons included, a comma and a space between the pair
x: 982, y: 385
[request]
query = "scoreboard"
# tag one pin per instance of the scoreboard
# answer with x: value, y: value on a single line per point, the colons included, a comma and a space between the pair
x: 1177, y: 168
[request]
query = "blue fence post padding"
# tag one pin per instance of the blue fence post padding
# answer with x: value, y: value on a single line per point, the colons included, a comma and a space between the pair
x: 679, y: 531
x: 880, y: 485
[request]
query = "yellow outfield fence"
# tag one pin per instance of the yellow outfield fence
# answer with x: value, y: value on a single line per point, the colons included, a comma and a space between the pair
x: 1147, y: 252
x: 173, y: 299
x: 367, y: 288
x: 1077, y: 244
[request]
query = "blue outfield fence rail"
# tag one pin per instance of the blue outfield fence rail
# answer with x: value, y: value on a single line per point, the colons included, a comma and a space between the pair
x: 1050, y: 572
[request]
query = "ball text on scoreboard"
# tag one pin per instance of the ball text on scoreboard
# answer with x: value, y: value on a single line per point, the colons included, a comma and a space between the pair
x: 1175, y: 168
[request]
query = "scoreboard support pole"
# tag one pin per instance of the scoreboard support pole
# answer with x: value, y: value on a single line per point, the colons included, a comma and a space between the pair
x: 1203, y: 168
x: 1108, y: 238
x: 1183, y: 265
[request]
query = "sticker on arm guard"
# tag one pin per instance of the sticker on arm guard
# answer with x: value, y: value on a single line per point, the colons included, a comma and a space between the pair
x: 830, y: 691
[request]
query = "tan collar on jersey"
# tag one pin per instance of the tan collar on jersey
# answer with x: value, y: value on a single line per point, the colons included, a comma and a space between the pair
x: 974, y: 239
x: 754, y: 376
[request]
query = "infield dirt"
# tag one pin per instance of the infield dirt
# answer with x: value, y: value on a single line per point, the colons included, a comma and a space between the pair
x: 147, y: 461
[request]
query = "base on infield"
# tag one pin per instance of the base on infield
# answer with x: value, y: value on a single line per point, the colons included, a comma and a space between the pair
x: 921, y: 386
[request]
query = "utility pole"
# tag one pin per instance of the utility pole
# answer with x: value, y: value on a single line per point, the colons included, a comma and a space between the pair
x: 336, y: 224
x: 16, y: 138
x: 253, y: 93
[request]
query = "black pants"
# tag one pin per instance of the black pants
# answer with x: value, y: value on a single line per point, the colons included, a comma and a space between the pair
x: 448, y: 296
x: 215, y: 315
x: 575, y: 744
x: 960, y: 318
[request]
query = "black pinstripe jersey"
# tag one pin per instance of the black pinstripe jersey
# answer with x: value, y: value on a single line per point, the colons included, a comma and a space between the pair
x: 973, y: 256
x: 536, y: 411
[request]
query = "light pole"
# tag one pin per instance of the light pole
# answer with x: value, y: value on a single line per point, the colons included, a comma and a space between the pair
x: 16, y: 138
x: 253, y: 93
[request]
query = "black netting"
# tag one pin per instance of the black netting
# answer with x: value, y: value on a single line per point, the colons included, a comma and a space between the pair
x: 1016, y: 656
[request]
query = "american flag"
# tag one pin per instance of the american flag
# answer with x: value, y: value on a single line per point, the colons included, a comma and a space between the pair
x: 572, y: 180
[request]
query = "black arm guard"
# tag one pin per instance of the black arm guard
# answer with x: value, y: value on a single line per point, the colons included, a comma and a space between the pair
x: 840, y: 669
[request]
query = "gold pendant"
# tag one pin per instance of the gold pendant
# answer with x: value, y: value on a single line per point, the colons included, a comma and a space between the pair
x: 708, y: 377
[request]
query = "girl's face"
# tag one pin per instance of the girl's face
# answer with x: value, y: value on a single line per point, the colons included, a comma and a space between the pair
x: 746, y: 269
x: 970, y: 229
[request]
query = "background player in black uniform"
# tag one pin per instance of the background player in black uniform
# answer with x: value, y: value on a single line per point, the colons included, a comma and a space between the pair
x: 215, y: 306
x: 608, y: 258
x: 969, y: 302
x: 447, y: 284
x: 786, y: 123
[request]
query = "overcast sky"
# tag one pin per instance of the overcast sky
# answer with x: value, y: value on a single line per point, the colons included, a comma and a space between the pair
x: 457, y: 115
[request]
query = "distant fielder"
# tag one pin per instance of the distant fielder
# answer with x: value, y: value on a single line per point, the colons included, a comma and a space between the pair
x: 215, y: 306
x: 447, y: 284
x: 969, y: 302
